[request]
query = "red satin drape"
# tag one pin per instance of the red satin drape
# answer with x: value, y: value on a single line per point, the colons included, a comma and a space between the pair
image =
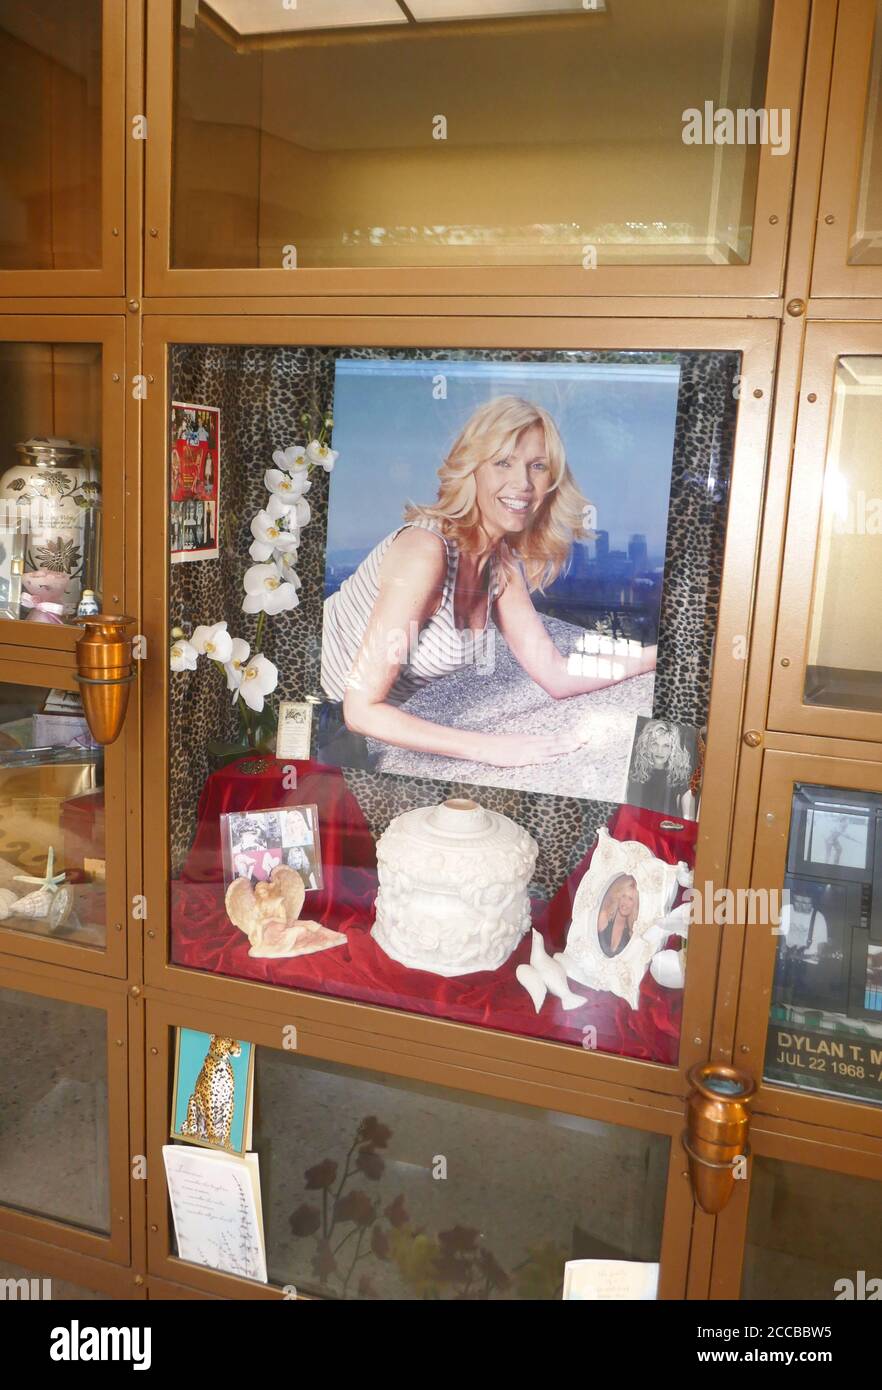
x: 203, y: 938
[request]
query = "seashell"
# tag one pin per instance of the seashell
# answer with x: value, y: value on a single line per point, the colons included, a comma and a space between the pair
x: 553, y: 975
x: 7, y: 898
x: 533, y: 984
x: 44, y: 905
x: 35, y: 905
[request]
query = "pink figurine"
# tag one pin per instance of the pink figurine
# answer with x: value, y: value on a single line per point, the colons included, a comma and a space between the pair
x: 43, y: 595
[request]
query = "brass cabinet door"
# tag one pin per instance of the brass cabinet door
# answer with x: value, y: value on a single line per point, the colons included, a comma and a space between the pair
x: 62, y: 509
x: 804, y: 1227
x: 63, y: 824
x: 848, y: 249
x: 827, y: 672
x: 810, y: 1010
x: 253, y: 191
x: 65, y: 1176
x: 224, y: 363
x: 809, y: 1030
x: 63, y: 145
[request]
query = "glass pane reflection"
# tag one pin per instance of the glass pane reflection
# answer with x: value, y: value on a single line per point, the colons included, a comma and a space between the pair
x: 50, y: 134
x: 353, y: 1206
x: 865, y: 247
x: 52, y: 847
x: 844, y: 668
x: 809, y: 1233
x: 54, y: 1140
x: 475, y: 134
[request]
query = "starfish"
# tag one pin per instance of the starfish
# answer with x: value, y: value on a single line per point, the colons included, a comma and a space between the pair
x: 49, y: 880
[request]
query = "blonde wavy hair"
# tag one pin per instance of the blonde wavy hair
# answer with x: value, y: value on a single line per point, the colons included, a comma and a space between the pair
x: 489, y: 433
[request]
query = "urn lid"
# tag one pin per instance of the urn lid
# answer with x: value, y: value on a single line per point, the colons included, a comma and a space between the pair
x: 49, y: 452
x: 435, y: 842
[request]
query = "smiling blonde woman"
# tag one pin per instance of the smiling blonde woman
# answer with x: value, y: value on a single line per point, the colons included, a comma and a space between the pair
x: 422, y: 605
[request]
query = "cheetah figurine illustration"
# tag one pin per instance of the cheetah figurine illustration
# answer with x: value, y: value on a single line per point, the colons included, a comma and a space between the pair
x: 210, y: 1107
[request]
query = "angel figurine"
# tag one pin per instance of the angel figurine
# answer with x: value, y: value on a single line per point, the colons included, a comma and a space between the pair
x: 268, y: 912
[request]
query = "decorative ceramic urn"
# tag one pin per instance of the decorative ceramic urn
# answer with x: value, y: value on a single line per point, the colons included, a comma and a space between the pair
x: 52, y: 496
x: 453, y: 888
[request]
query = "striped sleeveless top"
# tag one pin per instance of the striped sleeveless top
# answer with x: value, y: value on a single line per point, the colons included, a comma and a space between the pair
x: 437, y: 649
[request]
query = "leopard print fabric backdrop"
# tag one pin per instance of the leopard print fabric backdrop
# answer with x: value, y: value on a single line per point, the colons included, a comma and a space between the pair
x: 262, y: 393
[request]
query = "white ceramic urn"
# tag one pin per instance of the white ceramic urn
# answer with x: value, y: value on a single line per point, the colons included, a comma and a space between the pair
x: 453, y: 888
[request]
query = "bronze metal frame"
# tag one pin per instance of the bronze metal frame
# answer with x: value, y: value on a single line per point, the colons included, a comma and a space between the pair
x: 109, y: 332
x: 781, y: 771
x: 762, y: 276
x: 832, y: 274
x: 53, y: 982
x: 108, y: 279
x: 756, y: 341
x: 824, y: 345
x: 96, y: 960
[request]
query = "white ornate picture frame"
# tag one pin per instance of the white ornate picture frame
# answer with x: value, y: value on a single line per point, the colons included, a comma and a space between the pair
x: 584, y: 958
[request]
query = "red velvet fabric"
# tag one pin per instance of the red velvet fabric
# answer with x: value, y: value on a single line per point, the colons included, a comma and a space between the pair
x: 203, y: 938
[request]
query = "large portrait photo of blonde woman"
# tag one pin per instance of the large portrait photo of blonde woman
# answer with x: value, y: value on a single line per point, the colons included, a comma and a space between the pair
x: 494, y: 567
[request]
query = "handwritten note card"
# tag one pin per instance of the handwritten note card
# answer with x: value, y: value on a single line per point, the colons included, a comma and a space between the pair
x: 610, y: 1280
x: 215, y: 1202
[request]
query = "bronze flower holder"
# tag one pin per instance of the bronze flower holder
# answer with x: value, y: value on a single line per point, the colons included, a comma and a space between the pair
x: 715, y: 1138
x: 105, y: 671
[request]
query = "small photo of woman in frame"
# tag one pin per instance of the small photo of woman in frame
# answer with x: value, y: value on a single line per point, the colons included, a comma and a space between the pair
x: 664, y: 764
x: 618, y: 913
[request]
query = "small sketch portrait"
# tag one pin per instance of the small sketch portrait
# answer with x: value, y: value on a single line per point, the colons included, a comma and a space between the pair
x: 297, y: 826
x: 836, y: 838
x: 617, y: 915
x: 303, y: 860
x: 664, y: 772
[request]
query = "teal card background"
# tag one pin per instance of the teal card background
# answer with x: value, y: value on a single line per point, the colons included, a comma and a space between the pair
x: 192, y: 1051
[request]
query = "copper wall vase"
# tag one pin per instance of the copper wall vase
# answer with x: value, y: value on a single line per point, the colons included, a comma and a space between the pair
x: 105, y: 671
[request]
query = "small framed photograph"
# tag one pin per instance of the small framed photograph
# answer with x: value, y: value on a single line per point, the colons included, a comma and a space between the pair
x: 256, y: 842
x: 664, y: 768
x: 613, y: 935
x: 213, y: 1091
x: 195, y: 482
x: 836, y: 839
x: 12, y: 559
x: 815, y: 942
x: 294, y: 730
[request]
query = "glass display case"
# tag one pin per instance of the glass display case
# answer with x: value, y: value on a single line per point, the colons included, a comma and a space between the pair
x: 848, y: 255
x: 812, y: 974
x: 810, y: 1234
x: 553, y: 174
x: 390, y: 1180
x: 61, y: 511
x: 353, y: 1207
x: 491, y: 632
x: 62, y: 827
x: 825, y: 1030
x: 61, y: 147
x: 64, y: 1152
x: 487, y: 806
x: 54, y: 864
x: 828, y: 653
